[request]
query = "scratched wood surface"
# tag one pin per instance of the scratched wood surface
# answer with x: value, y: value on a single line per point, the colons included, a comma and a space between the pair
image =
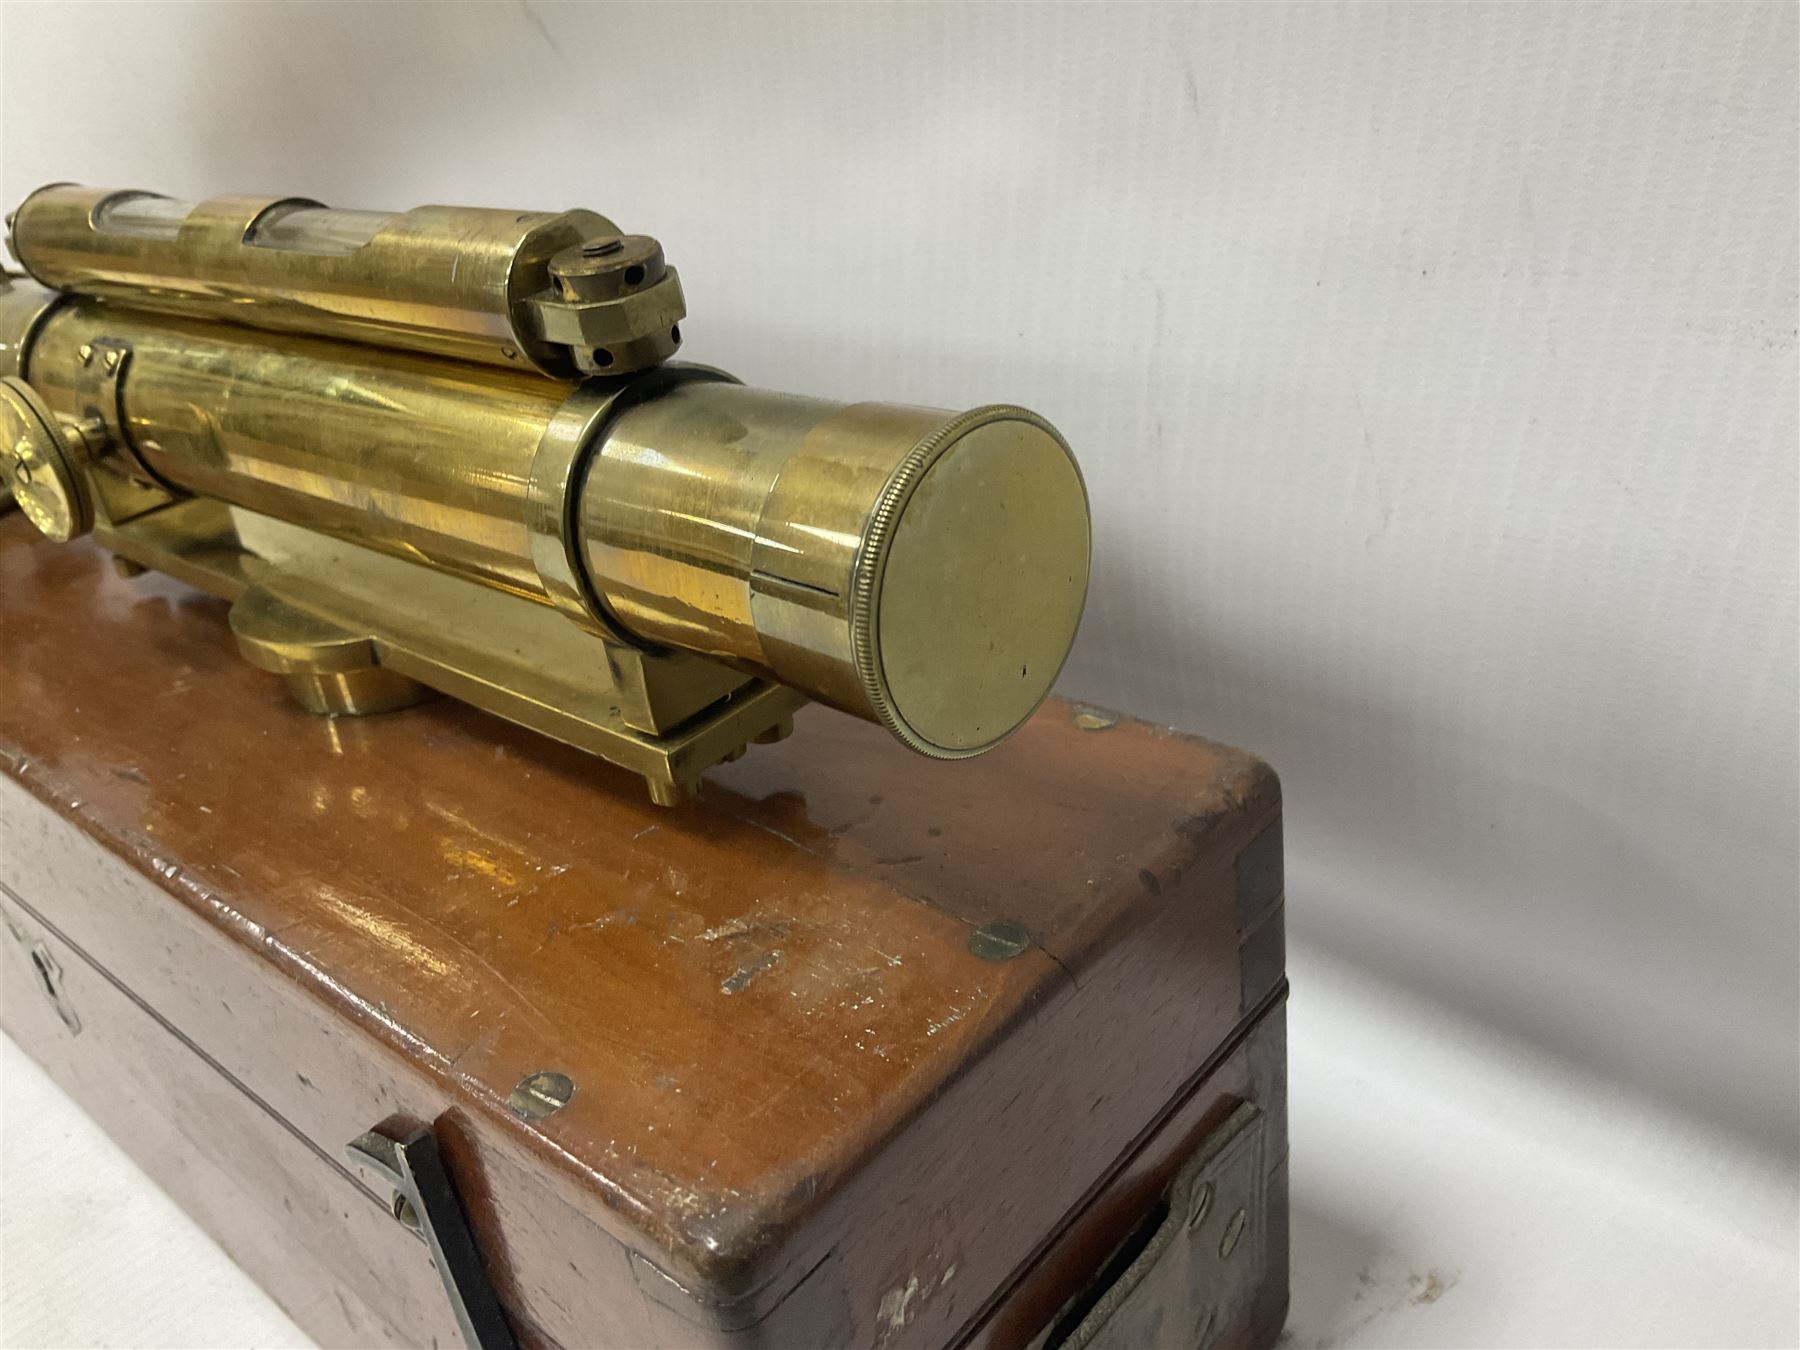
x: 804, y: 1110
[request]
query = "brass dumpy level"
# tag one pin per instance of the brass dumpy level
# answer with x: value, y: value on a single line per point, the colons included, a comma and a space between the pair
x: 445, y: 450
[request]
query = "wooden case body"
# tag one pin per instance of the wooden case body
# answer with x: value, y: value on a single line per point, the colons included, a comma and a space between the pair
x: 805, y: 1111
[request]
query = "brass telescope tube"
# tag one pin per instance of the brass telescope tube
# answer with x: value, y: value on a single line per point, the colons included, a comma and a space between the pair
x: 418, y: 458
x: 922, y: 569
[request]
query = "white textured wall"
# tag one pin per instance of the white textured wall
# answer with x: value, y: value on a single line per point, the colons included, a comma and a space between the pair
x: 1433, y: 370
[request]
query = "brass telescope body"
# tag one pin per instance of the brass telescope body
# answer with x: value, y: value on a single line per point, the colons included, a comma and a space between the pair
x: 443, y: 450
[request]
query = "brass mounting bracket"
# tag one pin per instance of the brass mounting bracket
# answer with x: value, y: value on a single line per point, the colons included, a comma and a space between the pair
x: 100, y: 395
x: 98, y: 382
x: 86, y: 467
x: 353, y: 632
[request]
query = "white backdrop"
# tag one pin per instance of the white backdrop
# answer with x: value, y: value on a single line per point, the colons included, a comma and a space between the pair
x: 1433, y: 371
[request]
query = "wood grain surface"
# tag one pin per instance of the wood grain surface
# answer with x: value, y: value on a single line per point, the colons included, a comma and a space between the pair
x: 798, y: 1092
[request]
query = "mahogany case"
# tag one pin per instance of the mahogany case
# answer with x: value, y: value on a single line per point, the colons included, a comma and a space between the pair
x: 860, y: 1049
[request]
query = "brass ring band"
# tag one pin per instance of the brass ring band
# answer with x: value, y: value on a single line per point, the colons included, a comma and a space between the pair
x: 553, y: 487
x: 22, y: 314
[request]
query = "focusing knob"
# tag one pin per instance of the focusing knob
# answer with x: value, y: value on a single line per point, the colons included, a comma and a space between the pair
x: 36, y: 464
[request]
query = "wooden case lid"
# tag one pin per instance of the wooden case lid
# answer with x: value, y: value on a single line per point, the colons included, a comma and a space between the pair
x: 803, y: 1058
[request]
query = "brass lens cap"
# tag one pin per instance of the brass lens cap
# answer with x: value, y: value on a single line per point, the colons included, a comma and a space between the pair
x: 972, y: 582
x: 36, y: 465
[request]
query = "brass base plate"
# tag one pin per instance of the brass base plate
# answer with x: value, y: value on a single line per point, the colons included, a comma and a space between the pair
x: 354, y: 631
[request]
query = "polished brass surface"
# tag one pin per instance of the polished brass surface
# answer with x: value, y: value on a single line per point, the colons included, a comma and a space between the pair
x: 919, y: 568
x: 551, y: 494
x: 464, y: 282
x: 342, y: 604
x: 990, y: 508
x: 329, y: 670
x: 420, y: 458
x: 304, y: 411
x: 23, y: 306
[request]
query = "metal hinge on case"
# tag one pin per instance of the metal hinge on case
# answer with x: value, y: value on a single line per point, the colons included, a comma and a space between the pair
x: 1189, y: 1271
x: 425, y: 1202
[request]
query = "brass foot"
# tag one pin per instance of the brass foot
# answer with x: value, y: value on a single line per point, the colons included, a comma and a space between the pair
x: 778, y: 732
x: 354, y: 693
x: 328, y: 670
x: 666, y: 793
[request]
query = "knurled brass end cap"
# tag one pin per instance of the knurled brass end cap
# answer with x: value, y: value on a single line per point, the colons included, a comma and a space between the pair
x: 36, y: 465
x: 971, y: 582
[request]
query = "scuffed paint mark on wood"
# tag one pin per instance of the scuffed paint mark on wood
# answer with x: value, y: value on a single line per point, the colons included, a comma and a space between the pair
x: 742, y: 978
x: 897, y: 1307
x: 747, y: 925
x: 953, y: 1014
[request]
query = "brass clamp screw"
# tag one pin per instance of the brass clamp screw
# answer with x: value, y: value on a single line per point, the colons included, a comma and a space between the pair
x: 614, y: 302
